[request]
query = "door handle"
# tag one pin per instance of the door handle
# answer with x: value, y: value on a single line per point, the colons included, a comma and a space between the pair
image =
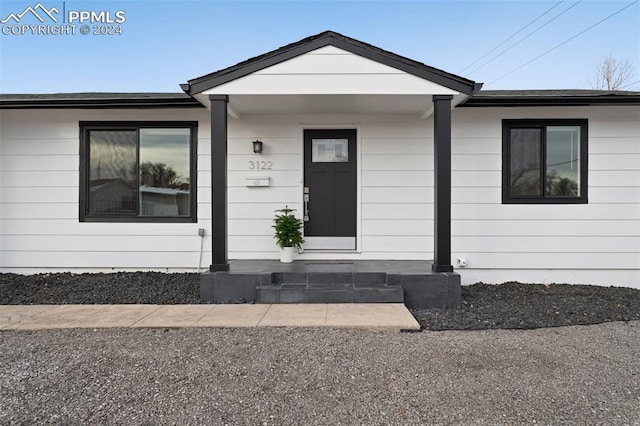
x: 305, y: 198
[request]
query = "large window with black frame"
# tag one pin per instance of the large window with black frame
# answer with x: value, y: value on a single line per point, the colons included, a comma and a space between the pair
x: 140, y: 171
x: 544, y: 161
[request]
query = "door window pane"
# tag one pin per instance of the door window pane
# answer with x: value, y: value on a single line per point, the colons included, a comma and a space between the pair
x: 329, y: 150
x: 563, y: 161
x: 112, y: 172
x: 526, y: 176
x: 164, y: 172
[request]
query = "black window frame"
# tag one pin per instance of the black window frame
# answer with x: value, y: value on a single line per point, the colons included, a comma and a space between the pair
x: 87, y: 126
x: 542, y: 124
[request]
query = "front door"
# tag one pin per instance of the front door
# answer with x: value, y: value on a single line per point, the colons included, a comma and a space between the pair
x: 330, y: 189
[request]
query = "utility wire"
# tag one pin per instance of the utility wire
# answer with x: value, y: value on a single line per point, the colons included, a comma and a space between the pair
x: 627, y: 85
x: 575, y: 160
x: 565, y: 42
x: 511, y: 36
x: 527, y: 36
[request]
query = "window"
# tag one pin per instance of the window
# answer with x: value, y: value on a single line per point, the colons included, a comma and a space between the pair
x: 330, y: 150
x: 544, y: 161
x: 138, y: 171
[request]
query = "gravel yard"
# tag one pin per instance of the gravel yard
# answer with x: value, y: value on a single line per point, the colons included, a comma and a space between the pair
x: 509, y: 305
x: 576, y: 375
x: 526, y: 306
x: 579, y: 375
x: 117, y: 288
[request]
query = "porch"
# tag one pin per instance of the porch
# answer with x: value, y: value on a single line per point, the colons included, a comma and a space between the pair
x: 359, y: 133
x: 411, y: 282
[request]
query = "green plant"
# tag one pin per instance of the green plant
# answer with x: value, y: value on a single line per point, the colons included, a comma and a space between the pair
x: 287, y: 226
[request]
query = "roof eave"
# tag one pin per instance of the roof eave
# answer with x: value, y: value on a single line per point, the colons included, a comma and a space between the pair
x: 98, y: 103
x: 549, y: 101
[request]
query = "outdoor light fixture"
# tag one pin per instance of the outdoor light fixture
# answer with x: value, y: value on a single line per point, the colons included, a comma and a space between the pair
x: 257, y: 147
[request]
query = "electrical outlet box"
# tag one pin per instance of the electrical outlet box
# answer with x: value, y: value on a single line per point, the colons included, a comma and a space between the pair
x: 462, y: 262
x: 201, y: 232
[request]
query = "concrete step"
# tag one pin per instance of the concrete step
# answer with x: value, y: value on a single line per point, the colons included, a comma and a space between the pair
x: 328, y: 286
x: 315, y: 295
x: 289, y: 283
x: 370, y: 278
x: 377, y: 294
x: 329, y: 293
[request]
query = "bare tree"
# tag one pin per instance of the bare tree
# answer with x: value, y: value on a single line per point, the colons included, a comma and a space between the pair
x: 159, y: 175
x: 613, y: 74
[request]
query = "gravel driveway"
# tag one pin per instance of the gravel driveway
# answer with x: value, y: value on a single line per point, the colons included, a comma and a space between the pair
x: 578, y: 374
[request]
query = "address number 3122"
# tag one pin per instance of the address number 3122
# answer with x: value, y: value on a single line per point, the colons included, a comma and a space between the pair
x: 260, y: 165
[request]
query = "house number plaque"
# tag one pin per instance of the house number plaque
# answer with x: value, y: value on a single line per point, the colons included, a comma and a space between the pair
x: 260, y: 165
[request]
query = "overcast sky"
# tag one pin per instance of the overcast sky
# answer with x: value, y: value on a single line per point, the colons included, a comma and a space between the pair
x: 165, y: 43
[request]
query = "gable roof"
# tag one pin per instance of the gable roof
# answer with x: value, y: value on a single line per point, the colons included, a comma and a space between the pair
x: 329, y: 38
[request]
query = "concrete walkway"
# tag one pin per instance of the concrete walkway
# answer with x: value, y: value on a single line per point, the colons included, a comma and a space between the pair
x: 384, y: 316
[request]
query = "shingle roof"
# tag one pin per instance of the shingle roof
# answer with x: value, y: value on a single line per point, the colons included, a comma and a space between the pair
x: 484, y: 98
x: 553, y: 97
x: 557, y: 92
x: 98, y: 100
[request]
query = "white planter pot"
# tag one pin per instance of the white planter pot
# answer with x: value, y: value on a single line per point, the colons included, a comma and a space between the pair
x: 286, y: 254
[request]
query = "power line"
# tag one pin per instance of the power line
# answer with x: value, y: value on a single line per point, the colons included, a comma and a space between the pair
x: 627, y: 85
x: 527, y: 36
x: 511, y: 36
x: 565, y: 42
x: 575, y: 160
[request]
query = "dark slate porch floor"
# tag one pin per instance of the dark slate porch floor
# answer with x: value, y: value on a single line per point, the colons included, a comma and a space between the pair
x: 336, y: 281
x: 388, y: 266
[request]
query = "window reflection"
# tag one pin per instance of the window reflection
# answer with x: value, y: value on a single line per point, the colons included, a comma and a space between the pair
x: 329, y: 150
x: 525, y: 162
x: 112, y: 172
x: 139, y: 172
x: 563, y: 161
x: 164, y: 172
x: 544, y: 160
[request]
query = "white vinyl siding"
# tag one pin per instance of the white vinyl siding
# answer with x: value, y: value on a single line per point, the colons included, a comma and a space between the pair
x: 329, y: 71
x: 39, y: 200
x: 598, y: 242
x: 396, y: 184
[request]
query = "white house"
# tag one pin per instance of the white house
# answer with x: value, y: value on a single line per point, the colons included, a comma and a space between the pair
x: 398, y: 161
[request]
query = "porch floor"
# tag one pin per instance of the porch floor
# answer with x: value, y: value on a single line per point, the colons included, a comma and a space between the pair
x: 306, y: 266
x: 332, y: 281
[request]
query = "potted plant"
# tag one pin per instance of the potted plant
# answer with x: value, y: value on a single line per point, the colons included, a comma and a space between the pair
x: 288, y: 233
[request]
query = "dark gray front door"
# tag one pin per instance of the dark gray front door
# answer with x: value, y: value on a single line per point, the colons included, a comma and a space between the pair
x: 330, y: 188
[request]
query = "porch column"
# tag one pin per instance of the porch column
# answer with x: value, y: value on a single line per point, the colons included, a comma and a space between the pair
x: 219, y: 253
x: 442, y: 184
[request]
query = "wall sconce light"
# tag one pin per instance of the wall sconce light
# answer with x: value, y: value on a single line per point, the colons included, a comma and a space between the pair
x: 257, y: 147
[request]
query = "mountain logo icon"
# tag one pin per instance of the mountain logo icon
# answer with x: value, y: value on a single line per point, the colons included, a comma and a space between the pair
x: 38, y: 11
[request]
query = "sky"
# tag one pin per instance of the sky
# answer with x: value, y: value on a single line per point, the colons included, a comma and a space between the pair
x: 164, y: 43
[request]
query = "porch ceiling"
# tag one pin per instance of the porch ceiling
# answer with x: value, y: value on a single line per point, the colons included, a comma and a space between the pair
x: 415, y: 105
